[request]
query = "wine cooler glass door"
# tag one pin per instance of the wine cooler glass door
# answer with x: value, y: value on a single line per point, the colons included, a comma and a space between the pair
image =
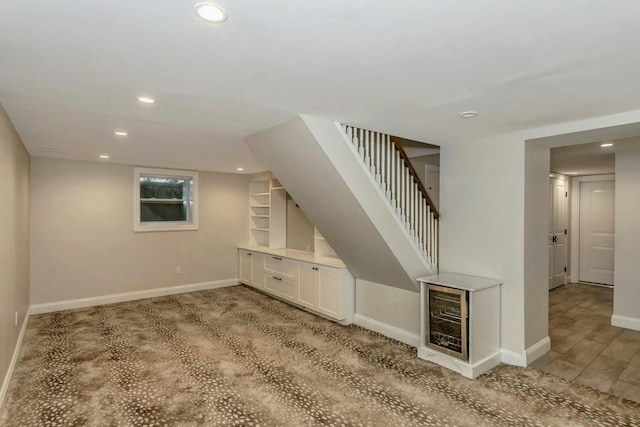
x: 447, y: 320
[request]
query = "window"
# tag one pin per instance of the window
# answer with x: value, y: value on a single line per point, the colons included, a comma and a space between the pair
x: 165, y: 200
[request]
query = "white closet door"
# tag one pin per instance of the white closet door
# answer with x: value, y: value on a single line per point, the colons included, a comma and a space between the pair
x: 557, y: 233
x: 596, y: 232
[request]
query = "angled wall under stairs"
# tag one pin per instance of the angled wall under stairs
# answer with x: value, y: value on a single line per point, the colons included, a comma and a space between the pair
x: 314, y: 160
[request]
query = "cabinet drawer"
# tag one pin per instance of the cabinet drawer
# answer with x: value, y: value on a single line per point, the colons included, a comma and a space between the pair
x: 284, y: 287
x: 281, y: 266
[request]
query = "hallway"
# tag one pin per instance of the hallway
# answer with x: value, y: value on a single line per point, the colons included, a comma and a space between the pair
x: 585, y: 348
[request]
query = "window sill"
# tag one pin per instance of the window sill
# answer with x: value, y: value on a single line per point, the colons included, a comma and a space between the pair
x: 168, y: 227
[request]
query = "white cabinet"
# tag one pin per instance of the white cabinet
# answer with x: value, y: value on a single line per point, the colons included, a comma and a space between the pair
x: 246, y: 266
x: 251, y: 268
x: 321, y: 289
x: 281, y: 277
x: 328, y: 290
x: 257, y: 270
x: 478, y: 299
x: 330, y: 298
x: 308, y: 292
x: 283, y: 287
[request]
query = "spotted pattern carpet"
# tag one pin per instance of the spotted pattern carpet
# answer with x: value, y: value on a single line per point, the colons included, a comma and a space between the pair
x: 234, y: 356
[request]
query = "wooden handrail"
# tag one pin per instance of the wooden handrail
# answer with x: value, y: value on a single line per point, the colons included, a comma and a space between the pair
x: 415, y: 177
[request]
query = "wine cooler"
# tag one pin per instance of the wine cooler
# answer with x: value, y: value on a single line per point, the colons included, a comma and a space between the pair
x: 447, y: 321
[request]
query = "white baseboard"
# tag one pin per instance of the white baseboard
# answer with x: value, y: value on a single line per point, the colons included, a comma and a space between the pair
x: 462, y: 367
x: 626, y: 322
x: 14, y: 360
x: 537, y: 350
x: 512, y: 358
x: 129, y: 296
x: 529, y: 355
x: 387, y: 330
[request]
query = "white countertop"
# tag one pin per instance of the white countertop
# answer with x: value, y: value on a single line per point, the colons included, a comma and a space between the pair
x: 460, y: 281
x: 297, y: 255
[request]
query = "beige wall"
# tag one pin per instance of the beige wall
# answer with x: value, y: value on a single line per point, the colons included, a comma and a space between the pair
x: 14, y: 238
x: 626, y: 290
x: 536, y: 249
x: 82, y: 238
x: 482, y: 192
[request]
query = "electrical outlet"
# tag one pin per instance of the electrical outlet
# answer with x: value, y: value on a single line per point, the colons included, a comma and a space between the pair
x: 178, y: 269
x: 16, y: 318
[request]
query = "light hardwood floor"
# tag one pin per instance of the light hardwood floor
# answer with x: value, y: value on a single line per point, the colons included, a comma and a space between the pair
x: 585, y: 348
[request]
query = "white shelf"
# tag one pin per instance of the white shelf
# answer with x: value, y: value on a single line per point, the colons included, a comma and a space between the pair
x: 261, y: 216
x: 260, y: 206
x: 261, y: 194
x: 260, y: 229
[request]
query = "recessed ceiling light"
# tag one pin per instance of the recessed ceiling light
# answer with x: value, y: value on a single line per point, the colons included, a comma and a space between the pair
x: 240, y: 169
x: 104, y: 156
x: 210, y: 12
x: 550, y: 175
x: 468, y: 114
x: 607, y: 144
x: 146, y: 100
x: 120, y: 133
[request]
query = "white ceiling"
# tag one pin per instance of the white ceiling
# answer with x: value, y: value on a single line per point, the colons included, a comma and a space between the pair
x: 70, y: 71
x: 591, y: 158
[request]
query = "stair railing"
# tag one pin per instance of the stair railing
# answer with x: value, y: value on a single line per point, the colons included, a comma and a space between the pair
x: 389, y: 165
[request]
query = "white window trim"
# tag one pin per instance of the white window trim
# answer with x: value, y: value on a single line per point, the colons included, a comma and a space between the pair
x: 163, y: 226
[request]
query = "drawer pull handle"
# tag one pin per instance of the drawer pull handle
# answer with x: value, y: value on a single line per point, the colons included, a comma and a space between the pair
x: 277, y: 278
x: 249, y: 254
x: 277, y: 257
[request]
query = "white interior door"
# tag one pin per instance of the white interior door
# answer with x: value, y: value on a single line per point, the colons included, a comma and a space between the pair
x: 597, y: 232
x: 558, y: 233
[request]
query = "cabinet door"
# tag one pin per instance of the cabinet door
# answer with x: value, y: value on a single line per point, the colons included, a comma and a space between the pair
x: 245, y: 266
x: 330, y: 296
x: 257, y: 270
x: 308, y: 294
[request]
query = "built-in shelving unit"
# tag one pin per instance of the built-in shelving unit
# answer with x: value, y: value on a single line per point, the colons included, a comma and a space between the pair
x: 317, y: 281
x: 267, y: 216
x: 259, y: 217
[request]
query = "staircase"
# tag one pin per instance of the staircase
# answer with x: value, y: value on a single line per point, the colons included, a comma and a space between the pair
x: 362, y: 194
x: 388, y: 164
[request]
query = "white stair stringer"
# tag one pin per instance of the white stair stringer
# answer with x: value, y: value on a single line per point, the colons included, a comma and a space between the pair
x: 318, y: 165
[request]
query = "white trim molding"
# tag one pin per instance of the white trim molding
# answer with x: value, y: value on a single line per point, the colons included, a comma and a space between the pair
x: 625, y: 322
x: 537, y: 350
x: 130, y: 296
x: 462, y: 367
x: 512, y: 358
x: 14, y: 359
x: 529, y: 355
x: 387, y: 330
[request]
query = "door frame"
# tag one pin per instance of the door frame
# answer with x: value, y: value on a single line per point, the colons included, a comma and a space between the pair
x: 575, y: 219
